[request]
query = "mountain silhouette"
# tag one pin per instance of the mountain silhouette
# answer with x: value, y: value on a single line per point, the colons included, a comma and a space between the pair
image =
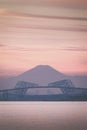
x: 42, y: 75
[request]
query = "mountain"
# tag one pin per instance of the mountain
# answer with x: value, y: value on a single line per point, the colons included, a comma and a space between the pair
x: 42, y: 75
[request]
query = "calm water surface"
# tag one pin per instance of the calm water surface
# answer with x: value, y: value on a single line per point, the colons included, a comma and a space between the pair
x: 43, y: 116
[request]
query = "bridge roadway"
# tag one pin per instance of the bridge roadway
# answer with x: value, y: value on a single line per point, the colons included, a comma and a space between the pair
x: 4, y: 94
x: 68, y: 88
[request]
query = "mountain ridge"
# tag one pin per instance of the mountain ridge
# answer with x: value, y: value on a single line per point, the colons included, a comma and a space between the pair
x: 41, y: 67
x: 42, y: 75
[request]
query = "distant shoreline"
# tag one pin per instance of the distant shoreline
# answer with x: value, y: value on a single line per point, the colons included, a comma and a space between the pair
x: 56, y: 97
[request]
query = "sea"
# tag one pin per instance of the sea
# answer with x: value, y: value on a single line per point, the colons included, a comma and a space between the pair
x: 43, y: 115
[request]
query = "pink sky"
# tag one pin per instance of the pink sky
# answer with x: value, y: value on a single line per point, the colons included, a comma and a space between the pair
x: 43, y: 32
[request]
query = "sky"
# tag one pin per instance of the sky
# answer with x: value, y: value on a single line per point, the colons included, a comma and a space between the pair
x: 48, y: 32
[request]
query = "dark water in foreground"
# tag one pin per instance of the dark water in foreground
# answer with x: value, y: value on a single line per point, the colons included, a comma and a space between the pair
x: 43, y: 116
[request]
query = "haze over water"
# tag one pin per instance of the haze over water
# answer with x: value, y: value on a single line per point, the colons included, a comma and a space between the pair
x: 43, y: 116
x: 52, y: 32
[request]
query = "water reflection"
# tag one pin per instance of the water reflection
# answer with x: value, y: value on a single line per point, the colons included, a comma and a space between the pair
x: 43, y: 116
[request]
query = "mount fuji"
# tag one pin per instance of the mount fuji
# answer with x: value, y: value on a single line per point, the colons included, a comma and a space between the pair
x: 42, y: 75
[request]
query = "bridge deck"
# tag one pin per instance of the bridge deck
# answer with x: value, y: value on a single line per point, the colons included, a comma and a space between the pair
x: 72, y: 88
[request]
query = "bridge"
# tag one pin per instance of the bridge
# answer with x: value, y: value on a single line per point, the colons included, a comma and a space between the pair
x: 22, y: 87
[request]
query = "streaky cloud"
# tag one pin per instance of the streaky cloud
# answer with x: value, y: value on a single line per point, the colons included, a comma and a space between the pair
x: 2, y: 45
x: 30, y: 49
x: 5, y: 11
x: 49, y: 16
x: 77, y: 29
x: 77, y: 49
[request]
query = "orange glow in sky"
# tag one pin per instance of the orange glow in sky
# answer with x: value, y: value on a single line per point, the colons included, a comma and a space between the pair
x: 43, y: 32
